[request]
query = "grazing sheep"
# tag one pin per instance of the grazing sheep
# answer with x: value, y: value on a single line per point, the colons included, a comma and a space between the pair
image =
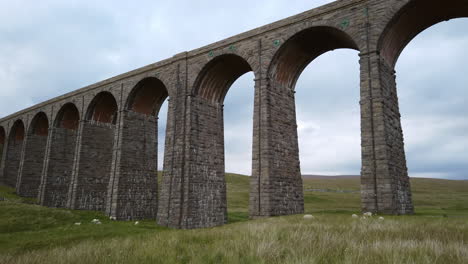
x: 308, y: 216
x: 78, y: 223
x: 381, y: 218
x: 368, y: 214
x: 113, y: 218
x: 355, y: 216
x: 136, y: 223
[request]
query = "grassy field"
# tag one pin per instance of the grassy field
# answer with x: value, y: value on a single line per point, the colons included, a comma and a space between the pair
x: 437, y: 233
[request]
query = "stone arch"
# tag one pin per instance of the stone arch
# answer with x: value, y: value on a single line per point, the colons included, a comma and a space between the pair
x: 413, y: 18
x: 147, y: 96
x: 68, y: 117
x: 34, y: 154
x: 217, y: 76
x: 93, y: 161
x: 302, y: 48
x: 14, y: 150
x: 103, y: 108
x: 58, y: 165
x: 286, y: 66
x: 206, y: 184
x: 392, y: 188
x: 133, y: 188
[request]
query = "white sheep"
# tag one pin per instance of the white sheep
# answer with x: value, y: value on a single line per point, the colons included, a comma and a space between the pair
x: 368, y: 214
x: 308, y: 216
x: 113, y: 218
x: 355, y: 216
x: 381, y: 218
x: 77, y: 223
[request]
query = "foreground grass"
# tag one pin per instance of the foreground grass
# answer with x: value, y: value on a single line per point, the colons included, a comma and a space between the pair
x: 438, y: 233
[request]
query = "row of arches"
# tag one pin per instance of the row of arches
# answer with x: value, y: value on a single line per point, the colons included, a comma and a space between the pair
x: 275, y: 141
x: 68, y: 162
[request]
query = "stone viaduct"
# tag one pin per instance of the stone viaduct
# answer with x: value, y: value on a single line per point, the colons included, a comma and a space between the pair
x: 96, y: 148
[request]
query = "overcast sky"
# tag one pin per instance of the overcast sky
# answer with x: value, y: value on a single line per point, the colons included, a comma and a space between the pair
x: 48, y: 48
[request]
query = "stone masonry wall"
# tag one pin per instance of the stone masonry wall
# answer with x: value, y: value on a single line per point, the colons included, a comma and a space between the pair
x: 57, y: 175
x: 280, y: 185
x: 92, y: 172
x: 385, y: 185
x: 30, y: 178
x: 12, y: 162
x: 207, y: 185
x: 134, y: 188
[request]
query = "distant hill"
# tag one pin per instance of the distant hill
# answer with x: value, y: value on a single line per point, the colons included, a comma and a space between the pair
x: 322, y: 177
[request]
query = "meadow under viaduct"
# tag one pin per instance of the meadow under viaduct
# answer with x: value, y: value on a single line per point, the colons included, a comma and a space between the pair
x: 96, y: 148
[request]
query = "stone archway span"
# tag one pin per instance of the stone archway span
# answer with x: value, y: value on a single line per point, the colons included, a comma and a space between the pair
x: 413, y: 18
x: 302, y: 48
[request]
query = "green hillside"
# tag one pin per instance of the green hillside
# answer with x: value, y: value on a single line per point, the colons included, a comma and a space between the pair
x: 438, y: 233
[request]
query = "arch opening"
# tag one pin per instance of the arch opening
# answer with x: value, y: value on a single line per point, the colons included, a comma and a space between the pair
x: 210, y: 90
x: 218, y: 75
x: 433, y: 107
x: 147, y: 96
x: 301, y: 49
x: 68, y: 117
x: 103, y: 108
x: 412, y: 19
x: 315, y: 121
x: 141, y: 132
x: 329, y: 135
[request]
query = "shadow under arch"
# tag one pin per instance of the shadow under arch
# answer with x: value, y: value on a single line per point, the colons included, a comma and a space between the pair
x: 147, y: 96
x: 217, y: 76
x: 103, y: 108
x: 68, y: 117
x: 133, y: 188
x: 39, y: 125
x: 302, y: 48
x: 34, y: 154
x: 58, y: 164
x: 13, y: 154
x: 413, y: 18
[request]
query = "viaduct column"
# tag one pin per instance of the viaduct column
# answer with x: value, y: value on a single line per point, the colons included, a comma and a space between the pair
x: 385, y: 185
x: 276, y: 183
x: 176, y: 195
